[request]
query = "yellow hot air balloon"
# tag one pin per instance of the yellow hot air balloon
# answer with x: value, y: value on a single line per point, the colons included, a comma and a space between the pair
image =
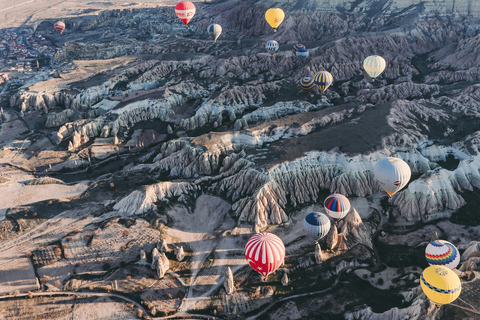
x: 440, y: 284
x: 274, y: 17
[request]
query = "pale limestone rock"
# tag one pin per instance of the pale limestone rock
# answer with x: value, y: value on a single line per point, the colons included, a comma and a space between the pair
x: 285, y: 280
x: 162, y: 246
x: 179, y: 253
x: 162, y: 265
x: 318, y: 254
x: 143, y: 256
x: 332, y: 237
x: 228, y: 283
x: 155, y: 255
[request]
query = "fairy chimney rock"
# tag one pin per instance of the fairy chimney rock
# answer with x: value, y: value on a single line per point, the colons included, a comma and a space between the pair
x: 285, y: 279
x: 318, y: 254
x: 228, y: 282
x: 162, y: 265
x: 332, y: 237
x: 162, y: 246
x: 179, y: 253
x: 155, y: 255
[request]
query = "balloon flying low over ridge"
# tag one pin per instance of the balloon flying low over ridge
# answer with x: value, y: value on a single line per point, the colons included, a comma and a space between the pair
x: 307, y: 84
x: 440, y: 284
x: 265, y: 253
x: 59, y: 26
x: 374, y: 66
x: 441, y: 252
x: 214, y: 30
x: 337, y: 206
x: 323, y: 80
x: 274, y: 17
x: 185, y: 11
x: 392, y: 174
x: 316, y: 225
x: 272, y: 46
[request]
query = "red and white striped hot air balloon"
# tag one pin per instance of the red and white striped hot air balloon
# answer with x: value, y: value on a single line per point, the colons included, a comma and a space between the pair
x: 185, y: 10
x: 265, y: 253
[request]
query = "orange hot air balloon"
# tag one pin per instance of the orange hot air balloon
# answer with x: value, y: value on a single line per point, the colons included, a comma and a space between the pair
x: 59, y: 26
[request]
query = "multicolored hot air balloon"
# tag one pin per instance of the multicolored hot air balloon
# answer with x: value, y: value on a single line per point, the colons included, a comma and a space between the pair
x: 440, y: 284
x: 392, y: 174
x: 185, y: 10
x: 274, y: 17
x: 316, y: 224
x: 323, y: 80
x: 214, y: 30
x: 307, y: 84
x: 374, y: 65
x: 272, y: 46
x: 441, y: 252
x: 337, y: 206
x: 59, y: 26
x: 265, y: 253
x: 296, y: 47
x: 302, y: 54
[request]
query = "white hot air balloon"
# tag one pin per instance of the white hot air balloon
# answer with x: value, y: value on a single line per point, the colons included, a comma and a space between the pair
x: 316, y: 225
x: 392, y: 174
x: 214, y: 30
x: 441, y: 252
x: 374, y: 66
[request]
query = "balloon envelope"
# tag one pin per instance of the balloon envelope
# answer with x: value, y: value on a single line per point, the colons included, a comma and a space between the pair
x: 265, y: 253
x: 316, y: 225
x: 441, y: 252
x: 214, y: 30
x: 374, y: 65
x: 440, y: 284
x: 302, y: 54
x: 392, y: 174
x: 185, y: 11
x: 296, y: 47
x: 272, y: 46
x: 274, y: 17
x: 323, y: 80
x: 337, y: 206
x: 307, y: 84
x: 59, y: 26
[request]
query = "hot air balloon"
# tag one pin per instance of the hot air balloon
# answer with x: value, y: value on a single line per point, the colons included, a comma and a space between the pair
x: 307, y: 84
x: 296, y: 47
x: 323, y: 80
x: 374, y: 65
x: 214, y: 30
x: 265, y: 253
x: 440, y: 284
x: 272, y: 46
x: 393, y: 174
x: 59, y: 26
x: 274, y: 17
x: 185, y: 10
x: 441, y: 252
x: 316, y: 224
x: 302, y: 54
x: 337, y: 206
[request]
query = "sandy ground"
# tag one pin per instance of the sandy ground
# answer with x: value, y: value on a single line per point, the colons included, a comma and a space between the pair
x: 16, y: 194
x: 15, y: 13
x: 201, y: 232
x: 17, y: 274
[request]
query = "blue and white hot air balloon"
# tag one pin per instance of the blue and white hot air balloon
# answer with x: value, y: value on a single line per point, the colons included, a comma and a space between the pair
x: 272, y: 46
x: 302, y: 54
x: 316, y: 225
x: 374, y: 66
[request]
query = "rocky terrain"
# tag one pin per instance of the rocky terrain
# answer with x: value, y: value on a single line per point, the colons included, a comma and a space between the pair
x: 142, y: 163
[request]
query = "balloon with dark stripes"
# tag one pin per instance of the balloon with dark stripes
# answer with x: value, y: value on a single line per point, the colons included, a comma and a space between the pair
x: 265, y: 253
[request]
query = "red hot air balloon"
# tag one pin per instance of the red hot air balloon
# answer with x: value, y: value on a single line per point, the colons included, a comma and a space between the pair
x: 185, y: 10
x: 59, y: 26
x: 265, y: 253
